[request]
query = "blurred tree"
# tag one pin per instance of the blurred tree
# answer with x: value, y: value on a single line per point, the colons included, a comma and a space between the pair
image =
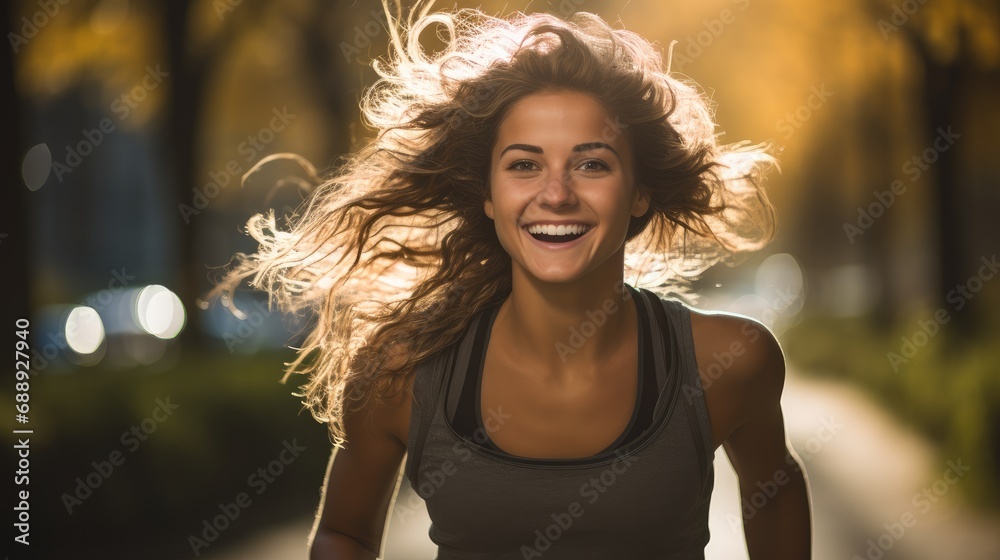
x: 955, y: 43
x: 192, y: 60
x: 91, y: 62
x: 325, y: 28
x: 201, y: 39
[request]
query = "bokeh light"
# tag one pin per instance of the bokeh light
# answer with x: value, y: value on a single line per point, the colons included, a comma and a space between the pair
x: 36, y: 166
x: 84, y: 330
x: 159, y: 312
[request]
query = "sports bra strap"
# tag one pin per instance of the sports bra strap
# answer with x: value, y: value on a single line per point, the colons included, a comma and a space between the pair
x: 688, y: 374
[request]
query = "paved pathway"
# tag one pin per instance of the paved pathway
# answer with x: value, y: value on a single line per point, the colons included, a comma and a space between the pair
x: 865, y: 470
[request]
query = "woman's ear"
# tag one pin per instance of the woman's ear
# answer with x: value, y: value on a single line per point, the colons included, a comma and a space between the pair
x: 640, y: 201
x: 488, y: 208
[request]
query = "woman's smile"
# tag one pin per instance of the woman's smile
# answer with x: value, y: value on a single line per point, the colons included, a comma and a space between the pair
x: 558, y: 237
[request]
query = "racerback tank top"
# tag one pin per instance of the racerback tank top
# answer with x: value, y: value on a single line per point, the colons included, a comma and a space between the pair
x: 646, y: 496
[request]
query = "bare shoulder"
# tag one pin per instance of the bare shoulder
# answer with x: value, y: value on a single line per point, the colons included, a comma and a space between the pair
x: 741, y: 345
x: 741, y: 365
x: 390, y: 412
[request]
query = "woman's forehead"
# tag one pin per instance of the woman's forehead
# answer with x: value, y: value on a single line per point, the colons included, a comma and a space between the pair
x: 559, y: 119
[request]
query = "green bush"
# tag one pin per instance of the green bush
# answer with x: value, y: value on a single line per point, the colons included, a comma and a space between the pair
x: 949, y: 390
x: 232, y: 418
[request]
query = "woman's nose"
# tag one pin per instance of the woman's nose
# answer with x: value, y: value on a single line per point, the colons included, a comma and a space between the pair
x: 557, y: 189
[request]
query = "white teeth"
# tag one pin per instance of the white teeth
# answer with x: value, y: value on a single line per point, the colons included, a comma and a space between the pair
x: 550, y: 229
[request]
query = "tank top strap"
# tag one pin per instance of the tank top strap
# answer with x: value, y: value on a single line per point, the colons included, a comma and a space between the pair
x: 690, y: 391
x: 429, y: 379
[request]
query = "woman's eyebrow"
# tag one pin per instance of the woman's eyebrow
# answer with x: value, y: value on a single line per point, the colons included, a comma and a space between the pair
x: 525, y: 147
x: 578, y: 148
x: 595, y: 146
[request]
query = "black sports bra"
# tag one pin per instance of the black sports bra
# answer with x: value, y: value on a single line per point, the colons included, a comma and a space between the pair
x: 468, y: 421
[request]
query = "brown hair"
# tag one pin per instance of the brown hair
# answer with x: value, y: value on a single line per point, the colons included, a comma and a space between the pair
x: 394, y: 252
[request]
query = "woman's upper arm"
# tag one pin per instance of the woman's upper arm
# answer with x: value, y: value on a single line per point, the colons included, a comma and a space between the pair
x: 743, y: 372
x: 362, y: 474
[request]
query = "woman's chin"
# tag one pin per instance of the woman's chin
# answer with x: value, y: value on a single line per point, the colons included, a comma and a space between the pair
x: 554, y: 275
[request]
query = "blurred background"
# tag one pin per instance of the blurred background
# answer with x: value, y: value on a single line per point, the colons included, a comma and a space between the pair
x: 160, y: 430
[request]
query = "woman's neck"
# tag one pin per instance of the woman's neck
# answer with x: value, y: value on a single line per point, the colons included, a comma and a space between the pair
x: 568, y: 328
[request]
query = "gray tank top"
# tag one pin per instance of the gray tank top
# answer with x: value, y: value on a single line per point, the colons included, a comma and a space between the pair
x: 647, y: 498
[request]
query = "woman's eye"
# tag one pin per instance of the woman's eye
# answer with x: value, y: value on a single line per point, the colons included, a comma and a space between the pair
x: 523, y: 165
x: 594, y: 165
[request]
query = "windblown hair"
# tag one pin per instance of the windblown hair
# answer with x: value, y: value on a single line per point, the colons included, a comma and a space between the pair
x: 394, y: 252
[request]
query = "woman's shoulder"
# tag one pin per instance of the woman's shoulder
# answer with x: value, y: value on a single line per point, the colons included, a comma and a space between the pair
x: 389, y: 407
x: 730, y: 348
x: 394, y: 408
x: 741, y: 367
x: 741, y: 346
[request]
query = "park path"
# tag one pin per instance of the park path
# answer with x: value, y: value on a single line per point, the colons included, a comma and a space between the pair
x: 864, y: 469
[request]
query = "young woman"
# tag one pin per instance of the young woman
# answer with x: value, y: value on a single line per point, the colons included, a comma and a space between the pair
x: 468, y: 271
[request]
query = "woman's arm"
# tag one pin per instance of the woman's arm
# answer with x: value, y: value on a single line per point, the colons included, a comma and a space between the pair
x: 774, y: 496
x: 361, y: 479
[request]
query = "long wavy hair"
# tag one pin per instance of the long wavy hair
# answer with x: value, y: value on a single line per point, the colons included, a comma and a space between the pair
x: 394, y: 253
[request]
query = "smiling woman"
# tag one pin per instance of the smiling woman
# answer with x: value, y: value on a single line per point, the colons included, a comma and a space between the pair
x: 558, y: 189
x: 470, y: 263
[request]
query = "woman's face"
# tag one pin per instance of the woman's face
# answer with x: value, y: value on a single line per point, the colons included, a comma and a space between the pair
x: 562, y: 186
